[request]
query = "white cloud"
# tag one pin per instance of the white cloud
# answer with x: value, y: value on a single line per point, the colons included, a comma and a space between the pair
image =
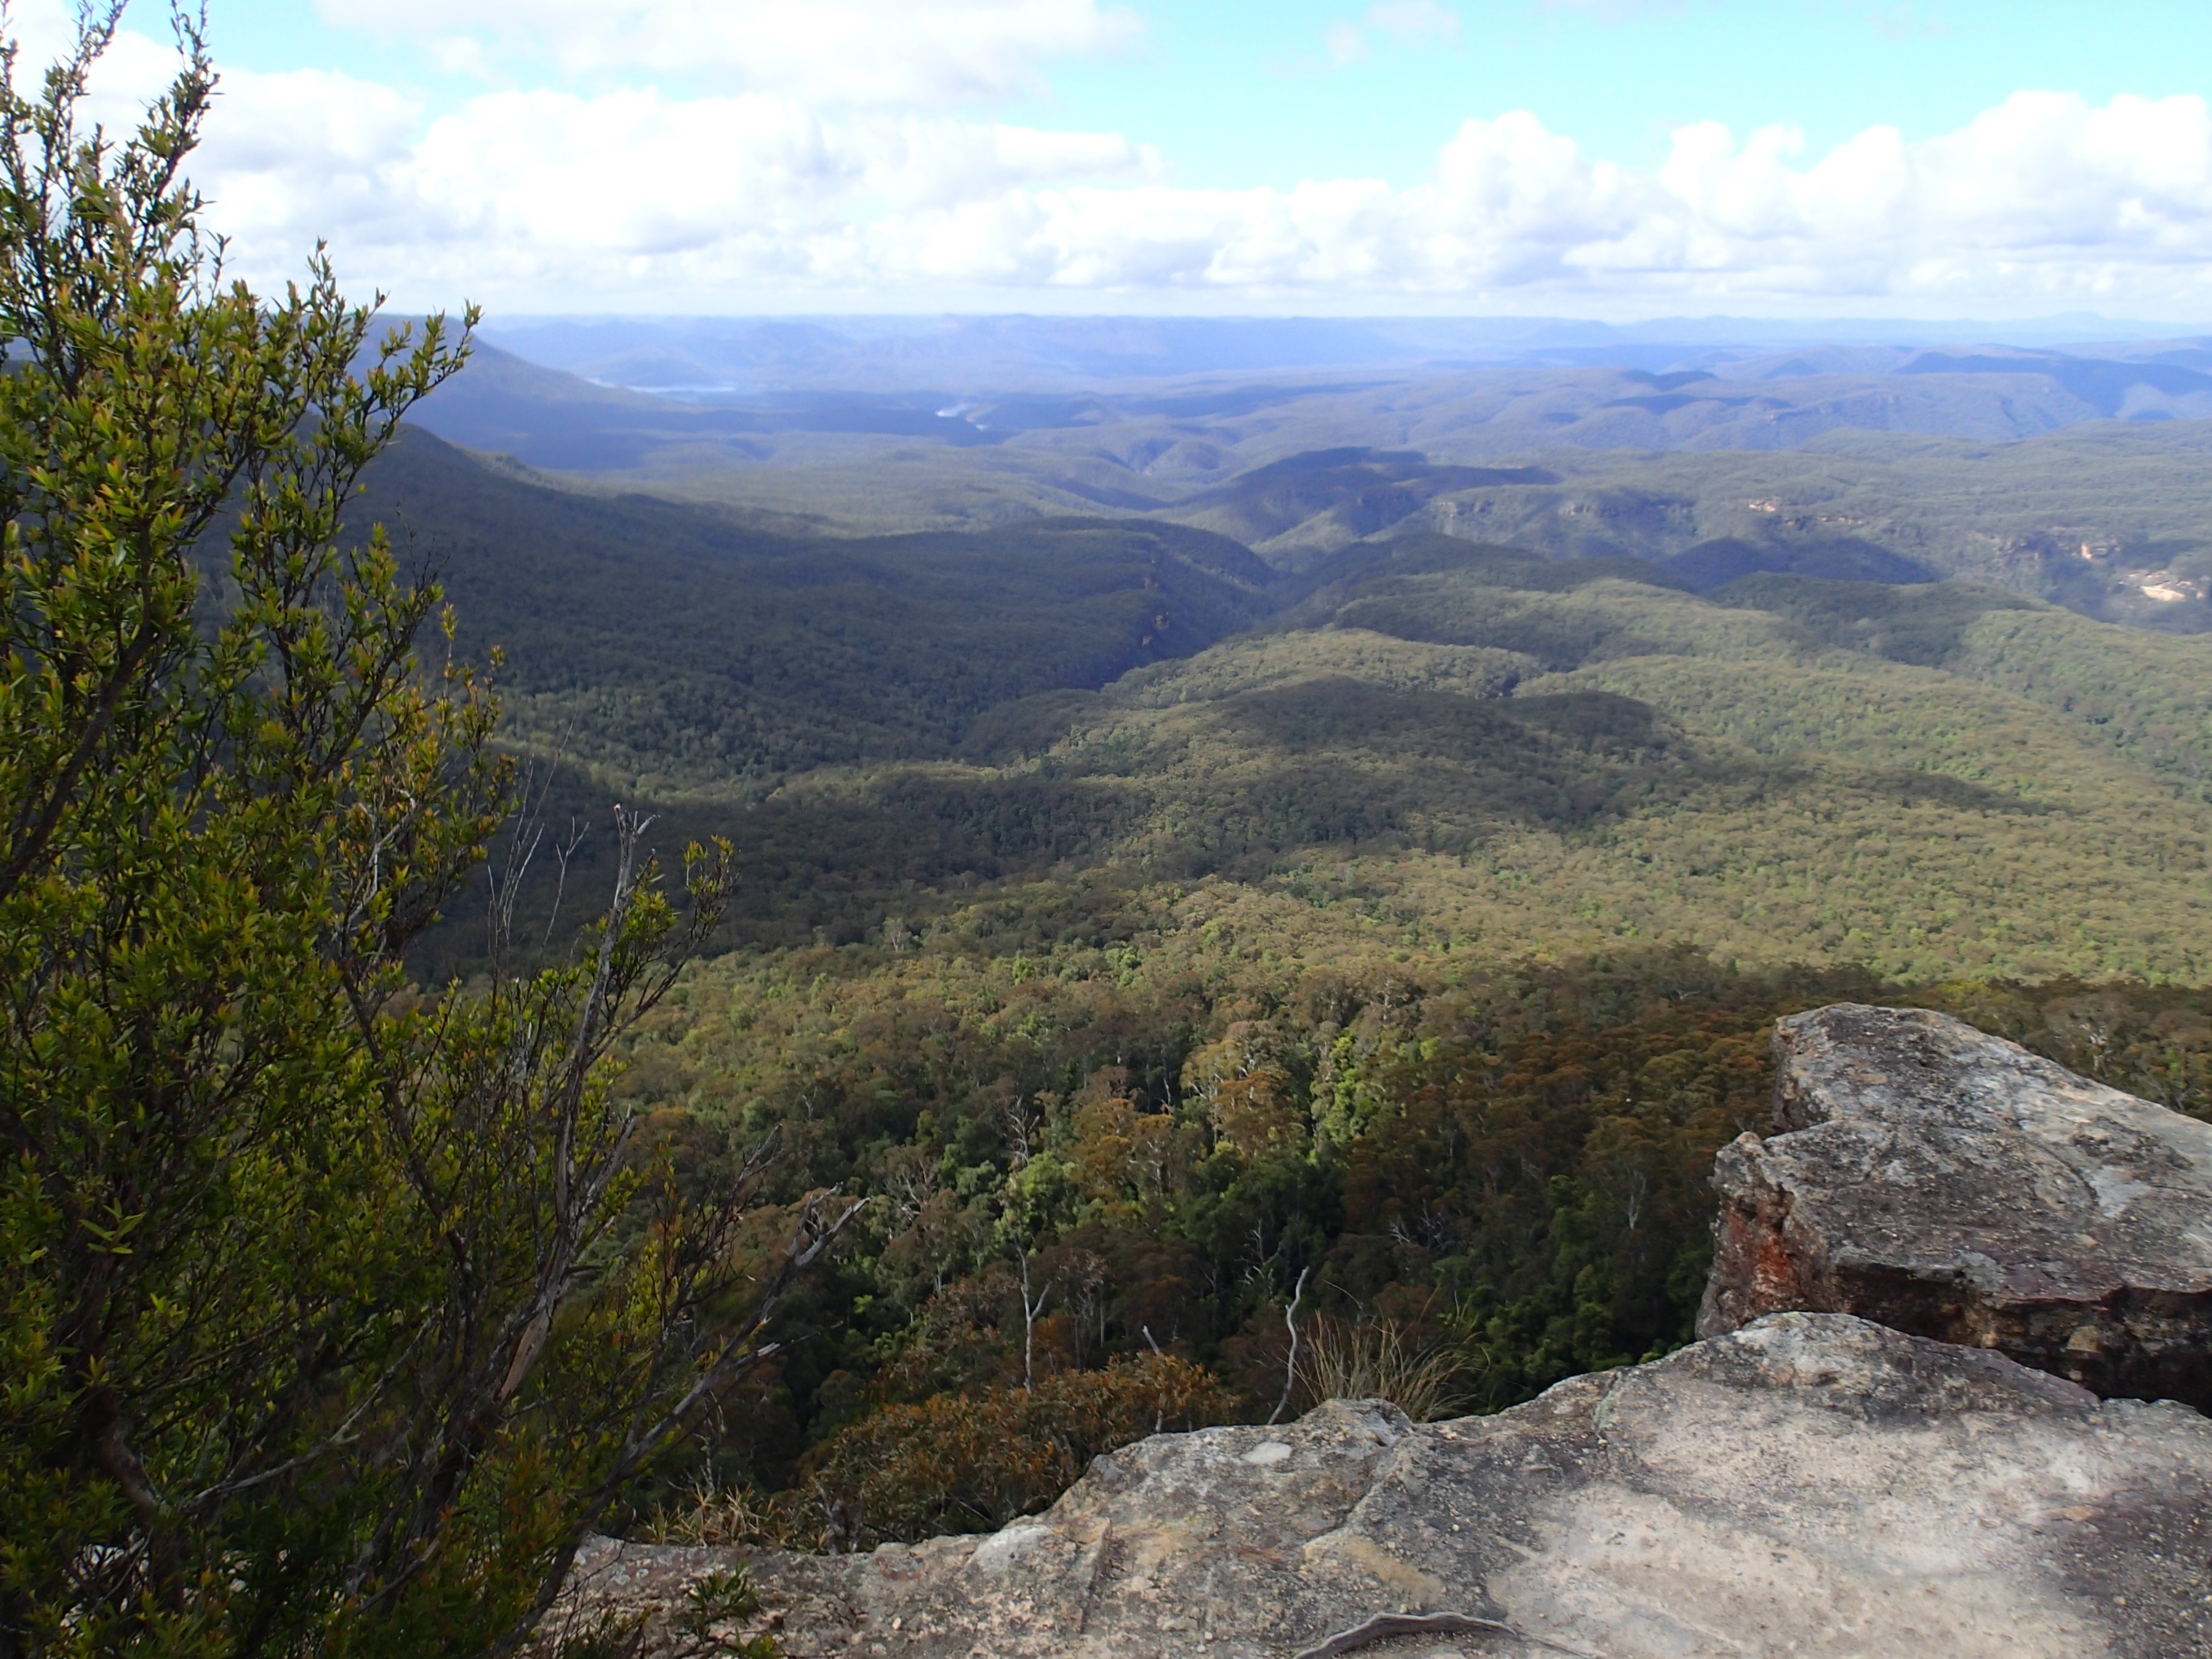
x: 45, y: 29
x: 292, y: 157
x: 879, y: 53
x: 628, y: 193
x: 635, y: 198
x: 136, y: 69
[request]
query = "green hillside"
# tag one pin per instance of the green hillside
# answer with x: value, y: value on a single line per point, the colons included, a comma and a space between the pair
x: 669, y: 648
x: 1471, y: 748
x: 2110, y: 521
x: 1436, y: 967
x: 1334, y: 496
x: 2144, y: 695
x: 1667, y: 770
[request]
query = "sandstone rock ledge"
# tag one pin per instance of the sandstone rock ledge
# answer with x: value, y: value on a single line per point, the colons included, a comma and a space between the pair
x: 1954, y: 1185
x: 1812, y: 1484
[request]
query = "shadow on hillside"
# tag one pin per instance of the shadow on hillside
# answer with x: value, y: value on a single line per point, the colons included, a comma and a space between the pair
x: 1248, y: 783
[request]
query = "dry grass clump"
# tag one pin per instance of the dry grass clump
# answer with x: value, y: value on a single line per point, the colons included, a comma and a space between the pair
x: 727, y: 1517
x: 1381, y: 1359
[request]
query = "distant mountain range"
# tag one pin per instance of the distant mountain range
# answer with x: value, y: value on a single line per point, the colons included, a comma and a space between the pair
x: 2071, y: 475
x: 705, y: 357
x: 1132, y: 414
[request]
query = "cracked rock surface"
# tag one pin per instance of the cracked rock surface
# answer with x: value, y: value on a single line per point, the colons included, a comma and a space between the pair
x: 1950, y: 1184
x: 1811, y: 1485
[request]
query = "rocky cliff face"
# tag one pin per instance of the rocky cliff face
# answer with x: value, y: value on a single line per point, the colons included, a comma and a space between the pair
x: 1811, y: 1483
x: 1951, y: 1184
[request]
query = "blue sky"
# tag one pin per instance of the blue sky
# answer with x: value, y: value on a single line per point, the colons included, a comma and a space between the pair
x: 1414, y: 155
x: 1239, y: 93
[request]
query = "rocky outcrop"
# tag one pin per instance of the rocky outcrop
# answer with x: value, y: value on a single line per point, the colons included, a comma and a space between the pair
x: 1951, y: 1184
x: 1849, y: 1464
x: 1812, y: 1484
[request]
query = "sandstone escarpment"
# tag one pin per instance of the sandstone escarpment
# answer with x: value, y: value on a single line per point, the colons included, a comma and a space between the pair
x: 1803, y: 1481
x: 1951, y: 1184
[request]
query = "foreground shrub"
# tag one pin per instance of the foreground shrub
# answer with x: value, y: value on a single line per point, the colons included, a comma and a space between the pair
x: 333, y: 1313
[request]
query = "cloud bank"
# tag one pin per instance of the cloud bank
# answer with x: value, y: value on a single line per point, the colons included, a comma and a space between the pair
x: 855, y: 172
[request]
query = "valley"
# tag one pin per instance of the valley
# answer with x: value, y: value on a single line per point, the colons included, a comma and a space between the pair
x: 1369, y: 864
x: 1755, y: 750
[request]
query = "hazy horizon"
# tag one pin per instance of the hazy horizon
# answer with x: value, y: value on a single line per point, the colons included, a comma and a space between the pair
x: 2088, y: 326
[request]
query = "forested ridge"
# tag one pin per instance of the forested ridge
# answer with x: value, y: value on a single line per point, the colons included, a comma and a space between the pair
x: 675, y: 648
x: 1513, y: 755
x: 1399, y: 947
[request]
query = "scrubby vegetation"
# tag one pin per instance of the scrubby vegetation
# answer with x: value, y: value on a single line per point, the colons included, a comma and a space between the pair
x: 332, y: 1314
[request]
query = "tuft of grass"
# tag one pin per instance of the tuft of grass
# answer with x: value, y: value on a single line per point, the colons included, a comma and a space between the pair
x: 731, y: 1517
x: 1381, y: 1359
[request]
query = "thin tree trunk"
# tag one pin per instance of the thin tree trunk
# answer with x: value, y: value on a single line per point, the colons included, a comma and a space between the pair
x: 1290, y: 1365
x: 1030, y: 1312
